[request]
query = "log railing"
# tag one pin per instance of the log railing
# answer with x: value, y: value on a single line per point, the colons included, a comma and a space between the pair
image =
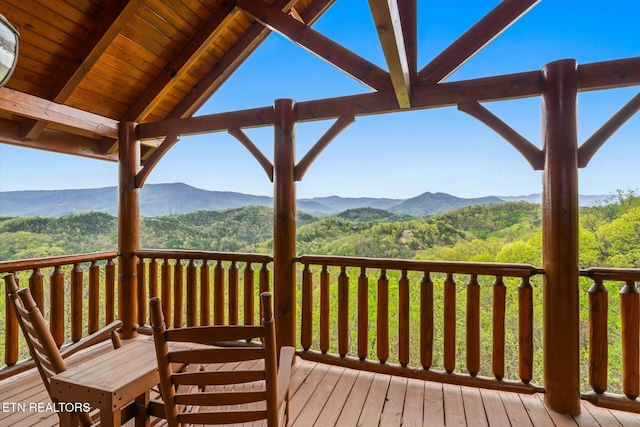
x: 361, y: 319
x: 74, y: 304
x: 201, y: 287
x: 599, y: 339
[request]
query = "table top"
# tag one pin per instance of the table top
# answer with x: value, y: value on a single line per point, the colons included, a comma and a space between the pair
x: 116, y: 377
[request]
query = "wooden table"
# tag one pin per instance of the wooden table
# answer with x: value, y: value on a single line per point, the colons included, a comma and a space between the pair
x: 109, y: 382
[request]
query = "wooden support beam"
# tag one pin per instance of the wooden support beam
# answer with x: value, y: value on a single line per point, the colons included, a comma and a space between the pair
x: 284, y: 223
x: 531, y: 153
x: 128, y: 229
x: 254, y: 150
x: 323, y: 142
x: 610, y: 74
x: 591, y: 146
x: 55, y: 141
x: 386, y: 16
x: 473, y: 40
x: 561, y: 343
x: 180, y: 64
x: 335, y: 54
x: 72, y: 120
x: 113, y: 18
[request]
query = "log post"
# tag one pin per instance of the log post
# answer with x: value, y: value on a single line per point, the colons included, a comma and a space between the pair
x: 128, y: 228
x: 284, y: 224
x: 560, y: 237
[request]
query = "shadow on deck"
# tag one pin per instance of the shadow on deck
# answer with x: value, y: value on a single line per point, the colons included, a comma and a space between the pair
x: 324, y: 395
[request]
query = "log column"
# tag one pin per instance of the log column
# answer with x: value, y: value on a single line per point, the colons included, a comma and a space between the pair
x: 284, y: 228
x: 128, y: 228
x: 560, y: 237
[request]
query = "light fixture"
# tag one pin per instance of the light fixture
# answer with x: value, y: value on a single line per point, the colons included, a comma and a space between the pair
x: 8, y: 49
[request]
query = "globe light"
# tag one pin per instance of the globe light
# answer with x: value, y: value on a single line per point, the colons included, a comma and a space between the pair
x: 8, y: 50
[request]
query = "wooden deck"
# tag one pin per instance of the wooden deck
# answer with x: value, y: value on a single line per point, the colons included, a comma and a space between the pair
x: 324, y: 395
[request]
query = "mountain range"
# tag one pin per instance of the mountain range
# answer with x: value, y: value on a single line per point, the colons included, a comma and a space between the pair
x: 178, y: 198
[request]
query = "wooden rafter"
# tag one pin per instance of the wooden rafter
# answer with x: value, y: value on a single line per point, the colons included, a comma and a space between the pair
x: 472, y: 41
x: 232, y: 59
x: 114, y: 17
x: 180, y: 64
x: 359, y: 68
x: 602, y: 75
x: 386, y: 16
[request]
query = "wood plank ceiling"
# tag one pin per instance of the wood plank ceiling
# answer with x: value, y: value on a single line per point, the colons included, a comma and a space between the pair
x: 86, y: 65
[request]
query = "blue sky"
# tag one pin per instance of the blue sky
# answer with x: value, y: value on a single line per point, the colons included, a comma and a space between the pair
x: 398, y: 155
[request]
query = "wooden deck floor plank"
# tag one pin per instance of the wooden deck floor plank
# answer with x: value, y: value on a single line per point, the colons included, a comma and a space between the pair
x: 474, y: 410
x: 494, y: 409
x: 537, y: 411
x: 335, y: 404
x: 433, y: 404
x: 306, y: 390
x: 394, y: 403
x: 316, y: 403
x: 355, y: 402
x: 373, y: 405
x: 518, y: 415
x: 559, y: 420
x: 627, y: 418
x: 413, y: 404
x: 603, y: 415
x: 453, y: 406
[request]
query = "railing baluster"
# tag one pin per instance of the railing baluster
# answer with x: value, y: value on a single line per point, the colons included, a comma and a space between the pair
x: 233, y: 293
x: 473, y: 325
x: 324, y: 309
x: 403, y: 319
x: 265, y: 274
x: 382, y: 321
x: 598, y: 342
x: 218, y: 294
x: 249, y: 294
x: 205, y: 294
x: 76, y: 303
x: 306, y: 320
x: 343, y: 312
x: 36, y: 286
x: 142, y: 292
x: 426, y: 321
x: 178, y: 293
x: 192, y: 293
x: 110, y: 292
x: 56, y: 304
x: 165, y: 283
x: 525, y: 330
x: 363, y: 314
x: 499, y: 305
x: 93, y: 323
x: 153, y: 282
x: 630, y: 318
x: 11, y: 349
x: 449, y: 323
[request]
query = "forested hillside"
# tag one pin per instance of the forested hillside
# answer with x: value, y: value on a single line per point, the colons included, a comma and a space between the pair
x: 503, y: 232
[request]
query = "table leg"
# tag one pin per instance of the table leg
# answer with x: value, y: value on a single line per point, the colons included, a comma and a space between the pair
x: 109, y: 417
x: 141, y: 407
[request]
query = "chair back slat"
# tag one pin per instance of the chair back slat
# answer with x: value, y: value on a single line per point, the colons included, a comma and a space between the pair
x: 217, y: 377
x: 221, y: 385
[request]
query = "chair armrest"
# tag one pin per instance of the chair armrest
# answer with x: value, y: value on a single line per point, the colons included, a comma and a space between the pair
x: 103, y: 334
x: 284, y: 372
